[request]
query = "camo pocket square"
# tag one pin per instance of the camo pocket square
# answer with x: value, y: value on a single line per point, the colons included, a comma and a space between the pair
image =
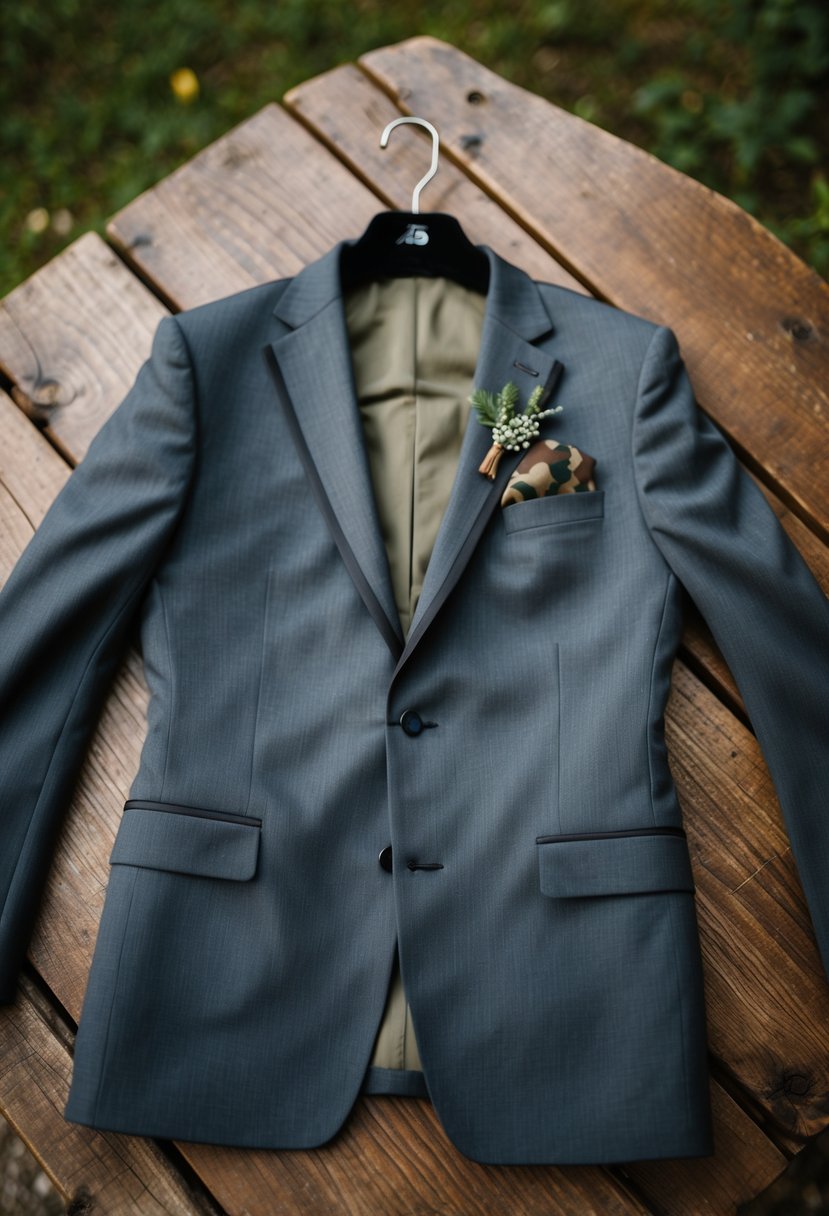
x: 549, y: 467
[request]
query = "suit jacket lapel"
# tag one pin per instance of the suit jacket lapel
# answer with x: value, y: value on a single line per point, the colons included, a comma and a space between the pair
x: 313, y: 372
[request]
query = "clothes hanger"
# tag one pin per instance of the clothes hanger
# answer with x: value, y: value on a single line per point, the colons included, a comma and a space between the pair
x: 400, y: 243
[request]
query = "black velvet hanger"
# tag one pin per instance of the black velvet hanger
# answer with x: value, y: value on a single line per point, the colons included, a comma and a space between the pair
x: 400, y: 243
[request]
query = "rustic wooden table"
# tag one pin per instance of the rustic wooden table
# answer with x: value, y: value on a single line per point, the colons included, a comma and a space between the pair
x: 573, y: 205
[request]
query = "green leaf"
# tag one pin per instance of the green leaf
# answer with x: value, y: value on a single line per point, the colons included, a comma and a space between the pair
x: 486, y: 405
x: 509, y: 400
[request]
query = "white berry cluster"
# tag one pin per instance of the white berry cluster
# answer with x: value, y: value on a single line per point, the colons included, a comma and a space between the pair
x: 517, y: 431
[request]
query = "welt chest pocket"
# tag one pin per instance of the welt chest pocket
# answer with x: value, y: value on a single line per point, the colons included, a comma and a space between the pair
x: 554, y: 510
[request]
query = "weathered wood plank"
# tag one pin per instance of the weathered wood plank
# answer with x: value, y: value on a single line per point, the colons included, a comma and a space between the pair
x: 751, y: 318
x: 264, y: 200
x: 744, y: 1163
x: 398, y: 1135
x: 94, y: 1171
x: 393, y: 1158
x: 72, y: 338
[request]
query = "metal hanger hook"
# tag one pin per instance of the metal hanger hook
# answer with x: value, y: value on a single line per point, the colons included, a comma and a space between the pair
x: 384, y: 139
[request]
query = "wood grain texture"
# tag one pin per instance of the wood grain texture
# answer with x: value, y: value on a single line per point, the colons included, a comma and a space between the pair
x: 72, y: 338
x: 383, y: 1163
x: 392, y: 1158
x: 94, y: 1172
x: 31, y: 474
x: 751, y: 318
x: 744, y: 1163
x: 266, y: 199
x: 256, y: 205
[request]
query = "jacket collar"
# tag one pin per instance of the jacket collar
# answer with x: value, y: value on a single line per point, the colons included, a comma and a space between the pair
x: 312, y: 370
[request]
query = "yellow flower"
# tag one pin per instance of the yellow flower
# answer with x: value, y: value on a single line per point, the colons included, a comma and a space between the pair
x: 37, y: 220
x: 185, y: 85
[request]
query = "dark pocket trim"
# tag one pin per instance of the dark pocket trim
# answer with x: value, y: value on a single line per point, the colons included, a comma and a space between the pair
x: 625, y: 862
x: 164, y: 836
x: 603, y: 835
x: 178, y: 809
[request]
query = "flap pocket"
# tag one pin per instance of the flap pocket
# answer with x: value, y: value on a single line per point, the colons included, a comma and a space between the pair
x: 187, y: 840
x: 614, y: 863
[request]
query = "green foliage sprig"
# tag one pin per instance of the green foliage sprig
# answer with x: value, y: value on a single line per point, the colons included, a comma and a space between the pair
x: 498, y: 410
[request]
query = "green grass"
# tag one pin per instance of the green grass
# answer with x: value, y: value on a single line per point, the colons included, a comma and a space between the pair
x: 730, y: 93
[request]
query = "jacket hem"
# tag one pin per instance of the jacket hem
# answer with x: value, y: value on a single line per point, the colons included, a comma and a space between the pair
x: 404, y: 1082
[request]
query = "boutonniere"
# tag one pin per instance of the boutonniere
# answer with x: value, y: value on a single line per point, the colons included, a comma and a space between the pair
x: 509, y: 430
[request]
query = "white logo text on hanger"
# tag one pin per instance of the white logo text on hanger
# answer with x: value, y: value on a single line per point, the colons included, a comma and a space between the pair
x: 415, y: 234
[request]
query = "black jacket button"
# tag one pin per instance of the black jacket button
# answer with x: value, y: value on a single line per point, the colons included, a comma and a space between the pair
x: 411, y: 722
x: 385, y: 858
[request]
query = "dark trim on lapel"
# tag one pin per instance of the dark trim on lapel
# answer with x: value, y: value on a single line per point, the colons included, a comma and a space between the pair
x: 551, y: 383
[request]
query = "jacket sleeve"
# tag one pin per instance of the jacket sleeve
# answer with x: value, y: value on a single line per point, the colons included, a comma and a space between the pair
x: 66, y: 611
x: 765, y: 609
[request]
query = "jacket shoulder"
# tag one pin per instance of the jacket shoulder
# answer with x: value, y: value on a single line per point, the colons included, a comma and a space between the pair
x: 225, y: 319
x: 611, y: 341
x: 575, y: 308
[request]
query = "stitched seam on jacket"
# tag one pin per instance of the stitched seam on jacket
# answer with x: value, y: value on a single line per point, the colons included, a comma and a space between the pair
x: 681, y: 1006
x: 558, y: 736
x: 648, y: 740
x: 645, y: 364
x: 102, y: 1071
x: 265, y: 610
x: 633, y: 429
x: 190, y: 480
x: 194, y: 393
x: 172, y: 715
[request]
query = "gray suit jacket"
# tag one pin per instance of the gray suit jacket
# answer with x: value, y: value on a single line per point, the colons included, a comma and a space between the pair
x: 487, y: 792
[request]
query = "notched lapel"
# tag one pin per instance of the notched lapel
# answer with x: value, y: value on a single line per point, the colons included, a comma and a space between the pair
x: 313, y: 373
